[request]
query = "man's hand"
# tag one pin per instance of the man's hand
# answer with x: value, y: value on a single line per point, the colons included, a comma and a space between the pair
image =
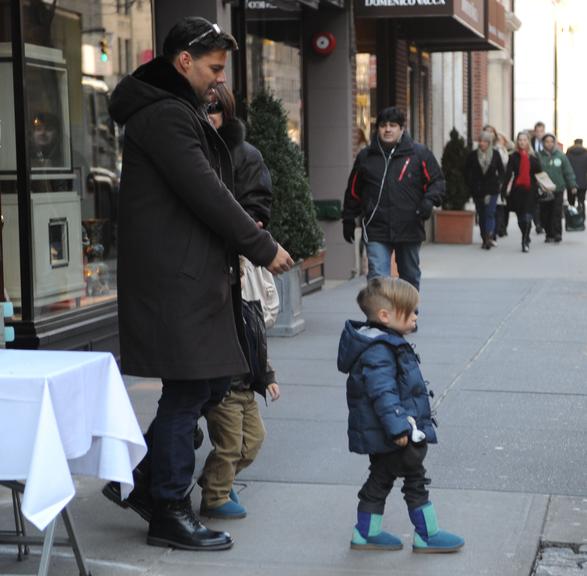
x: 282, y: 261
x: 425, y: 209
x: 273, y: 390
x: 402, y: 442
x: 348, y: 230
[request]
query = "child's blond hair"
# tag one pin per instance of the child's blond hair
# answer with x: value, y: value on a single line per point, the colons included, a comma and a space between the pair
x: 390, y: 294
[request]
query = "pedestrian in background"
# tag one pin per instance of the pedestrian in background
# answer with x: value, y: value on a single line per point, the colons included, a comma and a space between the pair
x: 520, y: 185
x: 393, y: 186
x: 537, y: 146
x: 558, y: 167
x: 577, y: 156
x: 180, y: 233
x: 484, y: 174
x: 504, y: 147
x: 389, y: 416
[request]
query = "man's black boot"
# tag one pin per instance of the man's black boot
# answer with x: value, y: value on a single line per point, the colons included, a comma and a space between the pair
x: 138, y: 500
x: 174, y: 524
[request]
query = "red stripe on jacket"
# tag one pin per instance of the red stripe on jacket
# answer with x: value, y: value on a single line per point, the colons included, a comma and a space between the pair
x: 406, y: 164
x: 353, y: 191
x: 426, y: 175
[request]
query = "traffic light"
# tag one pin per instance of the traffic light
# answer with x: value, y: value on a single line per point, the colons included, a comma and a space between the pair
x: 104, y: 50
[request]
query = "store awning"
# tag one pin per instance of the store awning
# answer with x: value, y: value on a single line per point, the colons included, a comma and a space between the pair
x: 443, y: 25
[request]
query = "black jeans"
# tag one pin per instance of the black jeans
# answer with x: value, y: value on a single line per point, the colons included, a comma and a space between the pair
x: 502, y: 217
x: 551, y: 216
x: 170, y: 460
x: 407, y: 463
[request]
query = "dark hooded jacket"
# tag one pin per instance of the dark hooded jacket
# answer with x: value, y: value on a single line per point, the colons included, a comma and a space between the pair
x: 252, y: 180
x: 577, y: 156
x: 180, y: 230
x: 413, y: 185
x: 384, y: 387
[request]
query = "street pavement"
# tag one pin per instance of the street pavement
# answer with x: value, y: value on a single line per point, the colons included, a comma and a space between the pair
x: 503, y: 341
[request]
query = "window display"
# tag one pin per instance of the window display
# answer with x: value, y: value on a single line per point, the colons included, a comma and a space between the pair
x: 75, y: 52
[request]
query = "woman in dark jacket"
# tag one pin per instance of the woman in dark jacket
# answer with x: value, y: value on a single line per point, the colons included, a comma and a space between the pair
x: 484, y: 176
x: 252, y: 180
x: 520, y: 185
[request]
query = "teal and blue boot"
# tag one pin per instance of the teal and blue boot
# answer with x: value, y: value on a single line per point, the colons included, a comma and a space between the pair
x: 428, y: 539
x: 367, y: 534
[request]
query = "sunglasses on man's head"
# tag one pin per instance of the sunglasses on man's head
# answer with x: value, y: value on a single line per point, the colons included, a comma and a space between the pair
x: 215, y: 29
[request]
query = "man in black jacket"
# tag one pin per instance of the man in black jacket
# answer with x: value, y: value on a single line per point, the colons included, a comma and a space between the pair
x: 577, y: 156
x: 393, y: 186
x: 180, y: 233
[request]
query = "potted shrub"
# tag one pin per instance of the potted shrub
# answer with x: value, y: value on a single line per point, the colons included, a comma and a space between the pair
x: 293, y: 217
x: 453, y: 224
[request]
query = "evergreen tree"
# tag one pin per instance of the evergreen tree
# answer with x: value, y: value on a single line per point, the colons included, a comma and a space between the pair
x: 453, y: 166
x: 293, y: 216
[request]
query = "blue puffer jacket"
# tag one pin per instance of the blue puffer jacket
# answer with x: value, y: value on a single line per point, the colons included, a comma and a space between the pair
x: 384, y: 387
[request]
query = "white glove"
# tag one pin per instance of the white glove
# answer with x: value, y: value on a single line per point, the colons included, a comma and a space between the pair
x: 417, y: 435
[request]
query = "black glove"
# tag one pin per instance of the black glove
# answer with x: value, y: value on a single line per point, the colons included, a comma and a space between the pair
x: 425, y: 209
x: 348, y: 230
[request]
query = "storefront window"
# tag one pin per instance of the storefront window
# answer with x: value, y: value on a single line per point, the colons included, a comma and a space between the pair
x: 75, y: 53
x: 274, y: 63
x: 366, y: 80
x: 9, y: 241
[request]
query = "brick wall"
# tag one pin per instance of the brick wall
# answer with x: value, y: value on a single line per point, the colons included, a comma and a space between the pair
x: 480, y: 90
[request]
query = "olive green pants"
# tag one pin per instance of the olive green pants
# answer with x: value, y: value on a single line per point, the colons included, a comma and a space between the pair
x: 236, y: 431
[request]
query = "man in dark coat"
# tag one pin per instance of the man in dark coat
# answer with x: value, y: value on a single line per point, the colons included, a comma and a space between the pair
x: 577, y: 156
x: 538, y: 146
x: 393, y: 186
x: 180, y: 232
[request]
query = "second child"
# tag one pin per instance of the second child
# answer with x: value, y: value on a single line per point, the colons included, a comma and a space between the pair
x: 389, y: 416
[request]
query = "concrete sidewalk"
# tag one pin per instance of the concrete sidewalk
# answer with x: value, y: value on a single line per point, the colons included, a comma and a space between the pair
x: 503, y: 342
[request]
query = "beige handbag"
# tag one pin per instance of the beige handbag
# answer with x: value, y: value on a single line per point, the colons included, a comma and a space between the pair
x: 546, y: 187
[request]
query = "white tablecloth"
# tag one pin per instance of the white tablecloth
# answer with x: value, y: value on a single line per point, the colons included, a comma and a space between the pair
x: 64, y: 413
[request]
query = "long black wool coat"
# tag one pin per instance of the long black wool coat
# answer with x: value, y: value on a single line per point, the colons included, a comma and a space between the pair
x: 179, y: 231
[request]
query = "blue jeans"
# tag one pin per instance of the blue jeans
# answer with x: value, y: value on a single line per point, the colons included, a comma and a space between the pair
x: 486, y: 215
x: 170, y: 460
x: 407, y: 256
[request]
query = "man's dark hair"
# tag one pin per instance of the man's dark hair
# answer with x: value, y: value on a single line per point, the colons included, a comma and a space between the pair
x: 539, y: 125
x: 191, y: 28
x: 391, y: 114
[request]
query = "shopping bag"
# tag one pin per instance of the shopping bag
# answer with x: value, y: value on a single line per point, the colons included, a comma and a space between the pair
x: 546, y: 187
x: 574, y: 219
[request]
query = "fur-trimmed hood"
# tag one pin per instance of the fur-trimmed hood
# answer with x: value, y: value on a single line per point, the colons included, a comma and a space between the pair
x: 233, y: 133
x: 156, y: 80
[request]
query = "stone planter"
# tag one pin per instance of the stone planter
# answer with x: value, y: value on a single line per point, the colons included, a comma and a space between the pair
x: 454, y: 226
x: 313, y: 272
x: 289, y: 321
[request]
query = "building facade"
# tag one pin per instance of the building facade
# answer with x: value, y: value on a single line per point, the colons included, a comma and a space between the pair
x: 60, y: 152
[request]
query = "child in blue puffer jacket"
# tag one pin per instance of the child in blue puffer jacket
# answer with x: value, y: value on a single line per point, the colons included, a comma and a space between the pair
x: 389, y: 416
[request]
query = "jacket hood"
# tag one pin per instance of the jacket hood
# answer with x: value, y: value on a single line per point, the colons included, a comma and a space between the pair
x: 156, y: 80
x: 353, y: 343
x: 233, y: 133
x: 577, y: 151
